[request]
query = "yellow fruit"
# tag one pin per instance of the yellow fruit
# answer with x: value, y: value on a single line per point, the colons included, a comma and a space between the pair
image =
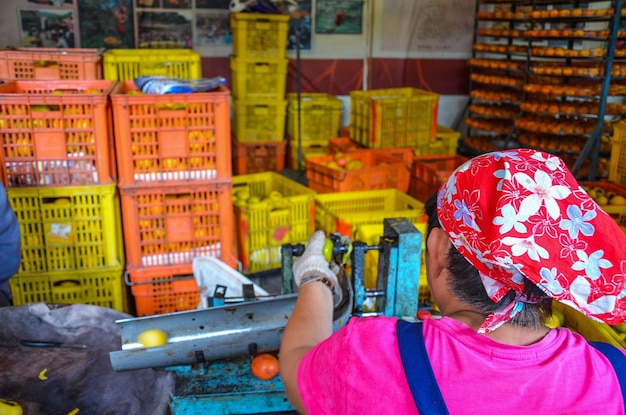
x: 10, y: 407
x: 152, y: 338
x: 618, y: 200
x: 557, y: 319
x: 327, y: 250
x: 602, y: 200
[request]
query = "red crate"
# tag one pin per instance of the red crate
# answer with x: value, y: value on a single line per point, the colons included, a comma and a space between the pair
x: 173, y: 223
x: 51, y: 63
x: 172, y: 137
x: 258, y: 157
x: 55, y: 133
x: 162, y: 290
x: 429, y: 172
x: 378, y: 171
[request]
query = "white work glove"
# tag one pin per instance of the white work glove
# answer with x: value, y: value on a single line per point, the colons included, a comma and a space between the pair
x: 312, y: 266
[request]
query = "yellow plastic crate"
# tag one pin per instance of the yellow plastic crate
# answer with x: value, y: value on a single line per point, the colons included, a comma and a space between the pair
x: 259, y: 35
x: 320, y: 116
x: 68, y: 228
x: 344, y: 212
x: 102, y: 287
x: 394, y: 117
x: 258, y: 79
x: 259, y: 120
x: 445, y: 141
x: 590, y: 329
x: 283, y: 212
x: 617, y: 164
x: 128, y: 64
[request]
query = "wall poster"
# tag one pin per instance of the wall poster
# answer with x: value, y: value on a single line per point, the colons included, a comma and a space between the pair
x: 164, y: 29
x: 212, y: 27
x: 106, y: 23
x: 48, y: 28
x: 339, y: 17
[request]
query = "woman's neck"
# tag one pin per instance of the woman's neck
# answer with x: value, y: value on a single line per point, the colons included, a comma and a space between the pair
x: 507, y: 333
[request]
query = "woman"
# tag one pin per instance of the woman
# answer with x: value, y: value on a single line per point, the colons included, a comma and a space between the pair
x: 508, y: 233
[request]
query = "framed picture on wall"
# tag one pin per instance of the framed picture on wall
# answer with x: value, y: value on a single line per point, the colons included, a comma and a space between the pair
x: 212, y: 27
x: 339, y: 17
x: 106, y: 24
x: 212, y: 4
x: 49, y: 28
x: 52, y: 2
x: 164, y: 29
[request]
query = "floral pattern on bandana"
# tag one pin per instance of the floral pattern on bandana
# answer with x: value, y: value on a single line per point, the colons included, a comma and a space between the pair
x: 522, y: 213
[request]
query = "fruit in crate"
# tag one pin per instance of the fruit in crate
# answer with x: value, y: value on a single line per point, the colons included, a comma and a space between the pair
x: 343, y: 162
x: 602, y: 197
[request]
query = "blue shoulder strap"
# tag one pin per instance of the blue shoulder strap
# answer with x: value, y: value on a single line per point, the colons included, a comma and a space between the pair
x: 419, y: 373
x: 617, y: 359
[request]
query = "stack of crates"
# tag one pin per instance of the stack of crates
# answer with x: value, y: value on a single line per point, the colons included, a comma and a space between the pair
x: 58, y: 168
x: 312, y: 121
x: 175, y: 182
x: 259, y: 77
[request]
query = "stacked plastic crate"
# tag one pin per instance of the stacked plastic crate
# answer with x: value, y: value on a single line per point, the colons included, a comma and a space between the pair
x: 58, y: 169
x: 259, y: 77
x: 312, y: 121
x: 175, y: 181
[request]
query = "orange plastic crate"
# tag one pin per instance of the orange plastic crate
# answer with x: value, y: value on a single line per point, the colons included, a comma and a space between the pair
x: 172, y: 137
x: 162, y: 290
x: 51, y: 63
x: 173, y: 223
x: 379, y: 171
x: 258, y: 157
x: 343, y: 145
x: 429, y: 172
x: 55, y: 133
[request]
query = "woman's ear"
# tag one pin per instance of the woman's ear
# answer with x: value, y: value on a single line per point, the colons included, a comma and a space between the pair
x: 437, y: 246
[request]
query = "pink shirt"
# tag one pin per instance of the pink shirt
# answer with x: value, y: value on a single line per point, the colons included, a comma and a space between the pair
x: 358, y: 371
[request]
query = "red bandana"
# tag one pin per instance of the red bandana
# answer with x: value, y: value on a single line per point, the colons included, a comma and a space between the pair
x: 522, y: 212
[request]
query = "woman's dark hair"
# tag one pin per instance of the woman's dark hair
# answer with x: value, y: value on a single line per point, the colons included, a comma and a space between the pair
x: 466, y: 284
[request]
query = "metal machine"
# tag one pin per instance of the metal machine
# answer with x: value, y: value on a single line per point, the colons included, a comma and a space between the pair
x: 210, y: 349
